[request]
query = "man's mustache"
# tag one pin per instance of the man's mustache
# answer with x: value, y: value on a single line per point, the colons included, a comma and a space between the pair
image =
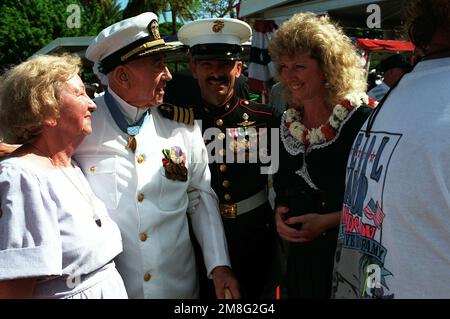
x: 221, y: 78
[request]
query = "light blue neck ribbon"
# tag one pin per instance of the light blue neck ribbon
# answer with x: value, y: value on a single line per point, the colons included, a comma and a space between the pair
x: 119, y: 118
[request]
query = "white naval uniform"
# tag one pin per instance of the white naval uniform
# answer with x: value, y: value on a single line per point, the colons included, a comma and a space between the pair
x: 158, y: 258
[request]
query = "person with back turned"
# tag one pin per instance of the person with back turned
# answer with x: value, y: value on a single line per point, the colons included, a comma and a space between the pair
x: 394, y: 239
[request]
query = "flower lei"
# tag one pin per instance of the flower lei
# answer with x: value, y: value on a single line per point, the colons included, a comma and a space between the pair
x: 328, y: 130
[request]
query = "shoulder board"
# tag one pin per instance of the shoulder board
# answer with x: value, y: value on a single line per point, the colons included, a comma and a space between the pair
x: 177, y: 114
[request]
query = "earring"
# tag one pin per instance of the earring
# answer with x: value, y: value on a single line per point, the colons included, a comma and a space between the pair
x: 327, y: 85
x: 51, y: 122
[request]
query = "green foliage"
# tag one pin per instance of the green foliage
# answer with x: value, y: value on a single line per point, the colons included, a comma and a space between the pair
x: 364, y: 33
x: 217, y: 9
x: 135, y: 7
x: 165, y: 28
x: 28, y: 25
x: 177, y: 67
x: 110, y: 12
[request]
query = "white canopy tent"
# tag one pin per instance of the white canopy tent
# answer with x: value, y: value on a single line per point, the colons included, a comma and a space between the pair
x: 352, y: 13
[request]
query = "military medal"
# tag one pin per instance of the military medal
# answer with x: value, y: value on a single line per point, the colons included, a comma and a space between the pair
x: 131, y: 129
x: 174, y: 164
x: 240, y: 139
x: 131, y: 143
x: 246, y: 122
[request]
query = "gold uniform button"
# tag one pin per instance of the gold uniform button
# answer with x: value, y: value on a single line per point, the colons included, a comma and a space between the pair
x: 140, y: 159
x: 222, y: 152
x: 223, y: 168
x: 219, y: 122
x: 140, y: 197
x: 143, y: 236
x: 92, y: 169
x: 147, y: 276
x: 226, y: 184
x: 227, y: 197
x: 221, y: 136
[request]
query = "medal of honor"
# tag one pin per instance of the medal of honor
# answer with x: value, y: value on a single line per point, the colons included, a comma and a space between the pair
x: 131, y: 143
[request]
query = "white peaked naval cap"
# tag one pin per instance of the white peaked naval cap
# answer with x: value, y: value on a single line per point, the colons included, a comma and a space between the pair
x: 127, y: 40
x: 219, y: 38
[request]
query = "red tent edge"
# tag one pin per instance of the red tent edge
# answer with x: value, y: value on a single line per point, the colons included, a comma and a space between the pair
x: 390, y: 45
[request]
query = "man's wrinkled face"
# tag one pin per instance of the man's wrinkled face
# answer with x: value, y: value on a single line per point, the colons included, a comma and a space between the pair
x: 148, y: 77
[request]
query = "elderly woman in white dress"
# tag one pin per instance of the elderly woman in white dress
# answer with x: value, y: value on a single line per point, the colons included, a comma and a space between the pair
x: 56, y: 239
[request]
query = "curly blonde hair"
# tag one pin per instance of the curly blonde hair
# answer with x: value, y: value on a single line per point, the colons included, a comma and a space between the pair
x: 324, y: 41
x: 422, y: 17
x: 30, y: 94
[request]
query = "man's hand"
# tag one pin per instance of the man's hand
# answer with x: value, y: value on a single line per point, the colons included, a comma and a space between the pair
x: 194, y: 199
x: 224, y: 279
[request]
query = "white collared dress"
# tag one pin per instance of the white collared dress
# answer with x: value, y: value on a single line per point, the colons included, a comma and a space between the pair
x: 47, y: 230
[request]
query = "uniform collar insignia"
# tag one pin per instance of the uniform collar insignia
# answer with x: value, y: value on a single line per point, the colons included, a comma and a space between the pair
x: 225, y: 108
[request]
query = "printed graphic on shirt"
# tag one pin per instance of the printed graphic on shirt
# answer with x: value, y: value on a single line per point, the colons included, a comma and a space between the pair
x: 361, y: 231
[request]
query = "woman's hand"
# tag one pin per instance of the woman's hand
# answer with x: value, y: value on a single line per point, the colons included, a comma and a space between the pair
x: 313, y: 225
x: 283, y: 227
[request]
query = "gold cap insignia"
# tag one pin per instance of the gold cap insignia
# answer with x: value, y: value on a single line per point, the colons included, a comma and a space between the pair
x: 153, y: 29
x: 218, y: 26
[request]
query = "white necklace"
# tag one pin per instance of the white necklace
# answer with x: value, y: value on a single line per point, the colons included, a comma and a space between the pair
x: 83, y: 193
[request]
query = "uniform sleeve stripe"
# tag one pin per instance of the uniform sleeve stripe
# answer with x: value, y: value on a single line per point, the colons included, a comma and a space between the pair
x: 180, y: 114
x: 191, y: 112
x: 175, y: 113
x: 186, y: 116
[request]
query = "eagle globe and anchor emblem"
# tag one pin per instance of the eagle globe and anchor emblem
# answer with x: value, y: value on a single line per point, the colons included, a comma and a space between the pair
x: 218, y: 26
